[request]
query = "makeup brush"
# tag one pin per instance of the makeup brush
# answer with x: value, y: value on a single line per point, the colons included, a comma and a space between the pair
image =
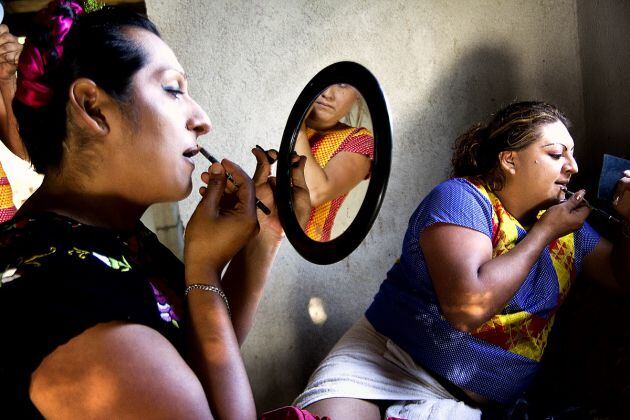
x: 601, y: 212
x: 228, y: 175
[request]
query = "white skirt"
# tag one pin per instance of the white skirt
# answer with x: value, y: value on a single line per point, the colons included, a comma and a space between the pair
x: 366, y: 365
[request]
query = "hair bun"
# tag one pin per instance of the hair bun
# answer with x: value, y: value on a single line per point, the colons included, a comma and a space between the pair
x: 469, y: 150
x: 43, y: 51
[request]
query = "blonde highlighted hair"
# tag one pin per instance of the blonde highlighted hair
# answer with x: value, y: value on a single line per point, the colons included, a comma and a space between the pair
x: 476, y: 152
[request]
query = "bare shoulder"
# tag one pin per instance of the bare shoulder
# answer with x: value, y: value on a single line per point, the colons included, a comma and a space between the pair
x: 117, y: 370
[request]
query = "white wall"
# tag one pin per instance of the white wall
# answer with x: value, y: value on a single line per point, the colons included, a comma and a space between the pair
x: 442, y: 65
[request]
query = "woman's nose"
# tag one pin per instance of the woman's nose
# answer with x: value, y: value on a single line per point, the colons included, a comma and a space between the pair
x: 328, y: 93
x: 572, y: 166
x: 199, y: 122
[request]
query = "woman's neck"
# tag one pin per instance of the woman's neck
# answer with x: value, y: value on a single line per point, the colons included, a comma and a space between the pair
x: 518, y: 206
x: 70, y: 199
x: 321, y: 127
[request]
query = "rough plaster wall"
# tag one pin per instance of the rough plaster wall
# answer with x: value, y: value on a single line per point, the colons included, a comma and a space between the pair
x: 604, y: 32
x: 442, y: 65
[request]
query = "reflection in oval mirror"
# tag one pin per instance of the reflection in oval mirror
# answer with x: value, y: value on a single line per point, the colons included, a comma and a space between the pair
x: 336, y: 138
x: 340, y: 123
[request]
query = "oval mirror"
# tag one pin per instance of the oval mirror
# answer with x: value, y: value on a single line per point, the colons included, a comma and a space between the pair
x: 341, y: 124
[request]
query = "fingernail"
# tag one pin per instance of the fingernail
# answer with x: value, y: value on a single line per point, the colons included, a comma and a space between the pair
x: 615, y: 201
x: 579, y: 196
x: 269, y: 158
x: 215, y: 168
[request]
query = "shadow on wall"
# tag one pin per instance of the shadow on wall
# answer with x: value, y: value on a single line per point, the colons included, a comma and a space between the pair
x: 477, y: 84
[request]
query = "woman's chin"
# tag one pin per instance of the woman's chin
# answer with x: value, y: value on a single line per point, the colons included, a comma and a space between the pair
x: 180, y: 193
x: 187, y: 191
x: 551, y: 201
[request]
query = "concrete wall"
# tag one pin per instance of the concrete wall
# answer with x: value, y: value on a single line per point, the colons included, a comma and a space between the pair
x: 604, y: 32
x: 443, y: 65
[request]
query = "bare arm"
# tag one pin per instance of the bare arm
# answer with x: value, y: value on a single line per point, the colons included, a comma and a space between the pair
x: 221, y: 225
x: 471, y: 286
x: 342, y: 173
x: 117, y: 370
x: 248, y: 271
x: 10, y: 51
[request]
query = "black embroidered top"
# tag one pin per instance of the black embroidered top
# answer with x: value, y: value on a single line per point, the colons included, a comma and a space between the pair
x: 59, y: 277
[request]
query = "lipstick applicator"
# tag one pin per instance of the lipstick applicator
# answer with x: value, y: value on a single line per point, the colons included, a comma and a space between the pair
x: 601, y: 212
x: 228, y: 175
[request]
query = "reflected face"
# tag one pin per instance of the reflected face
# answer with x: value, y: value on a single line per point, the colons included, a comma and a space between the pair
x: 332, y: 105
x: 156, y: 148
x: 545, y: 167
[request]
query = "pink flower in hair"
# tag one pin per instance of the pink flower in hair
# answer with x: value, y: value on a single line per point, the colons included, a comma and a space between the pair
x: 33, y: 61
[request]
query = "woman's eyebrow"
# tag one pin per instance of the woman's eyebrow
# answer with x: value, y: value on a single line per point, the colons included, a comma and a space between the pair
x: 561, y: 144
x: 166, y: 68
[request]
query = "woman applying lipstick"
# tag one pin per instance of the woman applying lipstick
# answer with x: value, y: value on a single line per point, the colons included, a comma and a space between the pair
x: 461, y: 322
x: 338, y: 156
x: 105, y: 321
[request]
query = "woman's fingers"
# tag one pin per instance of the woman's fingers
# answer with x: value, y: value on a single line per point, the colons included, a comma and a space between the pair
x: 263, y: 166
x: 297, y: 172
x: 621, y: 196
x: 622, y: 186
x: 245, y: 191
x: 214, y: 191
x: 272, y: 183
x: 576, y: 200
x: 301, y: 197
x: 9, y: 47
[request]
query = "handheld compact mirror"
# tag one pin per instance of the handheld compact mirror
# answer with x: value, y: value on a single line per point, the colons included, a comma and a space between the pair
x: 341, y: 124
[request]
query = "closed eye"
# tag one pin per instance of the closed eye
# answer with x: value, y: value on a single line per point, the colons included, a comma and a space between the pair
x: 176, y: 92
x: 555, y: 156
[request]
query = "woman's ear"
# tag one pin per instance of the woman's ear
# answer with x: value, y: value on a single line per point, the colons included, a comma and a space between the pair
x: 507, y: 161
x: 86, y: 103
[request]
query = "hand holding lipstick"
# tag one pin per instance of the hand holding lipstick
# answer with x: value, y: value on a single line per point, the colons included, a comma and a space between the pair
x: 228, y: 175
x: 621, y: 196
x: 222, y: 222
x: 564, y: 218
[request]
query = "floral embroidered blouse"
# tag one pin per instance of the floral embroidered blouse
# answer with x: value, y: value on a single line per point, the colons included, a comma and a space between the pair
x: 59, y: 277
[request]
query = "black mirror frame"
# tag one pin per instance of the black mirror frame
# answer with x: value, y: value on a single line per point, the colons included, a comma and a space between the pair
x: 340, y: 247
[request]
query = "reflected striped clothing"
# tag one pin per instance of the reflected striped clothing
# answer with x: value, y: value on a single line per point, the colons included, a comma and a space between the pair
x: 324, y: 148
x: 7, y: 208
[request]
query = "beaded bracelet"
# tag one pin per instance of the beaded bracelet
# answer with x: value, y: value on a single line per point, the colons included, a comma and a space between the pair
x: 213, y: 289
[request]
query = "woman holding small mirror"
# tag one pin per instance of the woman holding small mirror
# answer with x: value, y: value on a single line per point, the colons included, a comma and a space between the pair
x: 339, y: 154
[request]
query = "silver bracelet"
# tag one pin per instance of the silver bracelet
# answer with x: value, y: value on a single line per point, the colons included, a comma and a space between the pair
x: 209, y: 288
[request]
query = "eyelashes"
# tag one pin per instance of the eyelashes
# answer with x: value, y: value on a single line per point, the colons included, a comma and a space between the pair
x: 175, y: 92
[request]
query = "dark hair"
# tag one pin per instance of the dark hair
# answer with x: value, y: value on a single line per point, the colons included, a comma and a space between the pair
x: 476, y: 152
x: 96, y: 48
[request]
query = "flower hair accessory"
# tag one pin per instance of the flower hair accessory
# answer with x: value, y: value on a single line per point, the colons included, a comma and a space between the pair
x: 57, y: 19
x: 90, y: 6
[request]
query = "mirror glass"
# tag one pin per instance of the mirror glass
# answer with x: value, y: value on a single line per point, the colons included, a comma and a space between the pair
x: 336, y: 138
x: 340, y: 123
